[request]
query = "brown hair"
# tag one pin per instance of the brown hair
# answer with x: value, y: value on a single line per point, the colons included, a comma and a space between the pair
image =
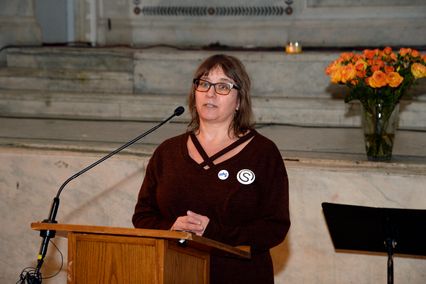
x: 233, y: 68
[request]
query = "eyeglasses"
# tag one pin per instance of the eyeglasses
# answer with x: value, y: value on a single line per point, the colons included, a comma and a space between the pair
x: 221, y: 88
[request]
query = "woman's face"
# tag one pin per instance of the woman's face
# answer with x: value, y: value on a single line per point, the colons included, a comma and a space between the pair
x: 215, y: 108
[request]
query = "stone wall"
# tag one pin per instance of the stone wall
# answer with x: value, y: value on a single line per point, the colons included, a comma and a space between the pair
x: 255, y: 23
x: 271, y: 23
x: 242, y: 24
x: 106, y: 196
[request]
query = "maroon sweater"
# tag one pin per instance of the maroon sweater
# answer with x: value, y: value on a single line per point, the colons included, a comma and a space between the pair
x: 242, y: 211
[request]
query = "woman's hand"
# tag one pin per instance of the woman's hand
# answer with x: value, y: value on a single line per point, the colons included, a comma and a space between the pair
x: 192, y: 222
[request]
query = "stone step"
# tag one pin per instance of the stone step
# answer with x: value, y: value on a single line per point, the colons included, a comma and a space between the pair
x: 108, y: 59
x: 273, y: 73
x: 155, y: 107
x: 66, y: 80
x: 286, y: 89
x: 167, y: 70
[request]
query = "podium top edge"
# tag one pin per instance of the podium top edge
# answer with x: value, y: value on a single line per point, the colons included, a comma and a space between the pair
x: 64, y: 229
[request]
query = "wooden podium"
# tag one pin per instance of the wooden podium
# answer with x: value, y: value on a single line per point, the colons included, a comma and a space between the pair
x: 125, y: 255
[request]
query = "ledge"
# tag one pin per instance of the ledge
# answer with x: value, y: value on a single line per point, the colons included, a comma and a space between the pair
x: 339, y: 148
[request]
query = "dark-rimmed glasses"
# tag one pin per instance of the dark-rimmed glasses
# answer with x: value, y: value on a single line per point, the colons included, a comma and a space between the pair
x: 221, y: 88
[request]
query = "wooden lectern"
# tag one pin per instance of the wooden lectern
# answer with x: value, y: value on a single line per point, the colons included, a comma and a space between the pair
x: 125, y: 255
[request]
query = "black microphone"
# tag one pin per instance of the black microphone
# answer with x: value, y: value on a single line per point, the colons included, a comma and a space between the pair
x: 179, y: 110
x: 48, y: 234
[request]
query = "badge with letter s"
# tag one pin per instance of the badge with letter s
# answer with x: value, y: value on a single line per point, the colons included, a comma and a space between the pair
x: 246, y: 176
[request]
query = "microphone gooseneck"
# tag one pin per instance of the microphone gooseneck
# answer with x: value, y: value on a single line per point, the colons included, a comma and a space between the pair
x: 48, y: 234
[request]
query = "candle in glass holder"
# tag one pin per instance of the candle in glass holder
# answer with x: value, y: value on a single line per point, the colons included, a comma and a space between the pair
x: 293, y: 47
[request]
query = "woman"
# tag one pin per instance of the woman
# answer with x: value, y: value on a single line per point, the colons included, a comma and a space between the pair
x: 221, y: 180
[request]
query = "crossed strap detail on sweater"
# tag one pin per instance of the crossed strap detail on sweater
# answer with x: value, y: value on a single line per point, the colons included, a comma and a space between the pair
x: 208, y: 161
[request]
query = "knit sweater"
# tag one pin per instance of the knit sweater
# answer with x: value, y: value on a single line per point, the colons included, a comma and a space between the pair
x: 245, y: 197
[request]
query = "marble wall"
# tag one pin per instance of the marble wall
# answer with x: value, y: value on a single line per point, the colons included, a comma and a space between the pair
x: 106, y: 196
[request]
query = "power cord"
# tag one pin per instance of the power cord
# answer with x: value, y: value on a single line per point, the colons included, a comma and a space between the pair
x: 29, y: 275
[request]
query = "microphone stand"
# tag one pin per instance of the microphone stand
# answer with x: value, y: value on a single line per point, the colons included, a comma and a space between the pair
x: 48, y: 234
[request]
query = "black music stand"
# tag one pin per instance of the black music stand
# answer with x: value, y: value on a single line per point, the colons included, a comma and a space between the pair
x: 372, y: 229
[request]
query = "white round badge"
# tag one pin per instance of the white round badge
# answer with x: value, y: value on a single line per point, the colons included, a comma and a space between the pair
x: 246, y: 176
x: 223, y: 174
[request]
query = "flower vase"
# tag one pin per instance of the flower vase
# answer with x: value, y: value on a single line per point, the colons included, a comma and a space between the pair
x: 379, y: 122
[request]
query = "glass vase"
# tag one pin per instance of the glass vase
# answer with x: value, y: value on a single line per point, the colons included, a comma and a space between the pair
x: 379, y: 123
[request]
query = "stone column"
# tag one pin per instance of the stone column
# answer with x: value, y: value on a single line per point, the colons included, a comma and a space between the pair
x: 18, y: 25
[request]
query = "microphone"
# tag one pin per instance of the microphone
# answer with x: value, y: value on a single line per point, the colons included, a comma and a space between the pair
x: 179, y: 110
x: 48, y: 234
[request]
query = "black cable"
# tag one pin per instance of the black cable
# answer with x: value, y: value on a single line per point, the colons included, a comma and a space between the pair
x: 29, y: 275
x: 17, y: 46
x: 62, y: 262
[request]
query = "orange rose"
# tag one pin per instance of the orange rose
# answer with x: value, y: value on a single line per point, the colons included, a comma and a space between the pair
x: 335, y: 65
x: 377, y: 80
x: 375, y: 68
x: 336, y: 76
x: 356, y: 57
x: 347, y: 56
x: 388, y: 55
x: 389, y: 69
x: 404, y: 51
x: 366, y: 81
x: 394, y: 79
x: 387, y: 50
x: 361, y: 65
x: 415, y: 53
x: 331, y: 67
x: 380, y: 63
x: 333, y: 70
x: 348, y: 73
x: 369, y: 54
x: 361, y: 74
x: 361, y: 68
x: 418, y: 70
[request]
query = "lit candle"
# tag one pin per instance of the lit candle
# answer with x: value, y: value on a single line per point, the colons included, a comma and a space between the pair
x: 293, y: 48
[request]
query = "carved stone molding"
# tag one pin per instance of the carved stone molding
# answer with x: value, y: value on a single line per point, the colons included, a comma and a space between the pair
x: 213, y: 8
x: 213, y: 11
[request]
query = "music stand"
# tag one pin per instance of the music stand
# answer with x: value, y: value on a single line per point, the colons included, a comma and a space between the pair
x: 372, y: 229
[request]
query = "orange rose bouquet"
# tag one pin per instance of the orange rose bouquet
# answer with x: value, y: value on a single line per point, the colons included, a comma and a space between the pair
x: 378, y: 74
x: 378, y: 79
